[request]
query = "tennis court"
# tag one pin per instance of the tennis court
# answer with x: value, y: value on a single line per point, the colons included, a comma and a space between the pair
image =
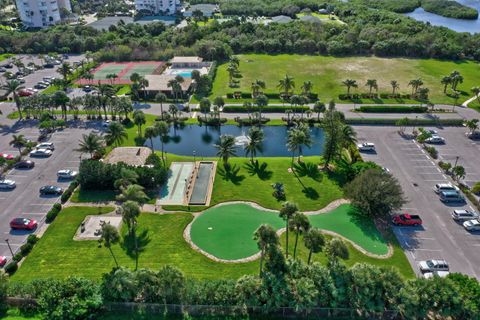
x: 123, y: 70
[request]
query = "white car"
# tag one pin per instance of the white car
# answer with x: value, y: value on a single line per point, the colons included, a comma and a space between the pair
x: 6, y: 184
x: 435, y: 139
x: 106, y: 123
x: 441, y: 274
x: 433, y: 265
x: 464, y: 215
x: 67, y: 174
x: 41, y: 153
x: 439, y: 187
x: 46, y: 145
x: 366, y: 146
x: 472, y: 225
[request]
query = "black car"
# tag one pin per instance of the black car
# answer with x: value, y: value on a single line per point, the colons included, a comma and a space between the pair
x: 25, y: 164
x: 8, y: 66
x: 51, y: 190
x: 49, y: 65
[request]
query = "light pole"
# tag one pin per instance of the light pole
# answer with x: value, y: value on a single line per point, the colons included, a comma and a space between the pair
x: 456, y: 160
x: 9, y: 247
x: 194, y: 156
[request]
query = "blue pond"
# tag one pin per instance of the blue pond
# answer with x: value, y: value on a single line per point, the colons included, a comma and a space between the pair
x: 201, y: 140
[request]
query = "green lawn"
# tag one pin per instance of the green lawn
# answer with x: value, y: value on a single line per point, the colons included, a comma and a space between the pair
x: 4, y: 56
x: 328, y: 72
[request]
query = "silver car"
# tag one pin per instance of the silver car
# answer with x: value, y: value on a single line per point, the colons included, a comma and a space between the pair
x: 41, y: 153
x: 441, y: 274
x: 464, y: 215
x: 433, y: 265
x: 6, y: 184
x: 472, y: 225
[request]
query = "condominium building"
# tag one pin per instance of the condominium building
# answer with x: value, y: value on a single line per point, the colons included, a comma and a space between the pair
x: 157, y: 6
x: 42, y: 13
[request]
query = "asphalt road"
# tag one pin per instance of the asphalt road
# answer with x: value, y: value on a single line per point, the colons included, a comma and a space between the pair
x: 25, y: 200
x: 440, y: 237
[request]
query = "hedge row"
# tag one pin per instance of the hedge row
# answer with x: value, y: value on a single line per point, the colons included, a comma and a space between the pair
x: 25, y: 249
x: 248, y: 95
x: 418, y: 122
x: 242, y: 109
x: 52, y: 214
x: 393, y: 109
x: 344, y: 96
x: 67, y: 193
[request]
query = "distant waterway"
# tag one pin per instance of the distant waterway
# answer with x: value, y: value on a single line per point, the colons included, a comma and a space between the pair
x: 459, y: 25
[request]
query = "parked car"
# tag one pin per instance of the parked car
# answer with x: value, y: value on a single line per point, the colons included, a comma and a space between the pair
x: 464, y: 215
x: 3, y: 261
x: 439, y: 187
x: 472, y: 225
x: 366, y: 147
x: 49, y: 66
x: 46, y: 145
x: 451, y: 196
x: 67, y: 174
x: 7, y: 156
x: 23, y: 224
x: 441, y: 274
x: 25, y: 93
x: 2, y: 69
x: 40, y: 86
x: 106, y: 123
x: 51, y: 190
x: 28, y: 164
x: 435, y: 139
x: 87, y: 89
x: 473, y: 135
x: 433, y: 265
x: 8, y: 66
x: 432, y: 131
x: 6, y: 184
x: 41, y: 153
x: 21, y: 80
x: 407, y: 220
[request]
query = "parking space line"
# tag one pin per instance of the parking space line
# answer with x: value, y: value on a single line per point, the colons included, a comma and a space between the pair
x: 433, y: 250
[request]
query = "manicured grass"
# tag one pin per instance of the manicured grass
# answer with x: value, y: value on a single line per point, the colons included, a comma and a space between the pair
x: 80, y: 196
x: 176, y: 208
x: 4, y: 56
x: 327, y: 74
x: 243, y: 182
x: 161, y: 240
x: 123, y: 90
x: 226, y: 231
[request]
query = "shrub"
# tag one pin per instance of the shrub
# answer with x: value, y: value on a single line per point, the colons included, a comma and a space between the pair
x: 476, y: 188
x: 17, y: 257
x: 52, y: 214
x: 432, y: 151
x: 67, y: 193
x: 26, y: 248
x: 445, y: 166
x: 11, y: 267
x: 242, y: 109
x: 32, y: 239
x: 154, y: 159
x: 391, y: 109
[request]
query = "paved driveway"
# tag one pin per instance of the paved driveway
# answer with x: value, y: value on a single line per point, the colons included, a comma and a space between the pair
x: 440, y: 237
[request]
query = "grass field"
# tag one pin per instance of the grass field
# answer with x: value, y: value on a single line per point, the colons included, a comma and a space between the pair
x: 4, y: 56
x: 327, y: 73
x: 161, y: 242
x: 226, y: 231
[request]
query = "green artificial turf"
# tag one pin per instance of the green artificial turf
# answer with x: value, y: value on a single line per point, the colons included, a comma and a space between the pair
x: 327, y: 74
x: 227, y: 231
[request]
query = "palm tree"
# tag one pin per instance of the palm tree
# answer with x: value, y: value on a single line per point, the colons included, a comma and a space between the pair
x: 108, y: 237
x: 255, y: 142
x: 457, y: 78
x: 446, y: 81
x: 133, y: 192
x: 372, y: 84
x: 261, y: 101
x: 349, y: 83
x: 115, y: 134
x: 112, y: 77
x: 105, y: 93
x: 219, y: 103
x: 18, y: 141
x: 307, y: 87
x: 130, y: 212
x: 415, y: 84
x: 144, y: 84
x: 161, y: 98
x: 12, y: 86
x: 286, y: 85
x: 162, y: 130
x: 150, y: 133
x: 65, y: 70
x: 256, y: 86
x: 235, y: 61
x: 395, y: 86
x: 299, y: 224
x: 139, y: 120
x: 91, y: 143
x: 174, y: 86
x: 173, y: 109
x: 297, y: 138
x: 472, y: 125
x: 319, y: 107
x: 287, y: 211
x: 226, y: 148
x: 232, y: 70
x: 314, y: 242
x: 349, y: 136
x: 205, y: 106
x: 126, y: 178
x: 135, y: 77
x: 265, y: 236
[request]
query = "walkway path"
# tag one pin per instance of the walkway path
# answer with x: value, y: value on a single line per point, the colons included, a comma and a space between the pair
x: 465, y: 104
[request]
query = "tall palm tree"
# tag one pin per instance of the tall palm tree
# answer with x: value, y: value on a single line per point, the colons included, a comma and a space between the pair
x: 235, y: 61
x: 13, y: 86
x: 307, y: 87
x: 395, y: 86
x: 115, y: 133
x: 297, y: 138
x: 299, y: 225
x: 232, y: 70
x: 150, y: 133
x: 126, y: 178
x: 415, y: 84
x: 265, y: 236
x: 457, y: 78
x: 139, y: 120
x: 446, y: 81
x: 349, y: 136
x: 91, y: 143
x: 108, y: 237
x: 144, y: 84
x: 134, y: 193
x: 287, y: 211
x: 372, y: 84
x: 350, y: 83
x: 319, y: 107
x: 286, y: 84
x: 226, y: 148
x: 161, y: 98
x: 205, y: 106
x: 162, y: 130
x: 255, y: 142
x: 18, y: 141
x: 105, y: 93
x: 173, y: 85
x: 65, y: 70
x: 261, y: 101
x: 130, y: 212
x: 314, y: 242
x: 256, y: 86
x: 135, y: 77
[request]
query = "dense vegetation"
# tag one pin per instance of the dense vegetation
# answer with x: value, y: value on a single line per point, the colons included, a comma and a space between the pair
x: 365, y: 31
x: 450, y: 8
x: 402, y: 6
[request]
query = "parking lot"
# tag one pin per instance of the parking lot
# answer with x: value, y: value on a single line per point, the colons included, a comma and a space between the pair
x: 25, y: 200
x: 440, y: 237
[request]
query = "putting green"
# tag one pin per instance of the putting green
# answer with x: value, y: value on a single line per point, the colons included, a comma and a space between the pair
x: 227, y: 231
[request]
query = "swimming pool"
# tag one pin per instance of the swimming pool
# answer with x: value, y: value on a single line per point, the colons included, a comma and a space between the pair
x: 186, y: 73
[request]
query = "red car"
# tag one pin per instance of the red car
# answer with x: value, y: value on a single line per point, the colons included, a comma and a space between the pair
x: 3, y: 261
x: 23, y: 224
x: 7, y: 156
x: 25, y: 93
x: 407, y: 220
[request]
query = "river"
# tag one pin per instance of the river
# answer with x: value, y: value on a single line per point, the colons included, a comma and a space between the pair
x: 459, y: 25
